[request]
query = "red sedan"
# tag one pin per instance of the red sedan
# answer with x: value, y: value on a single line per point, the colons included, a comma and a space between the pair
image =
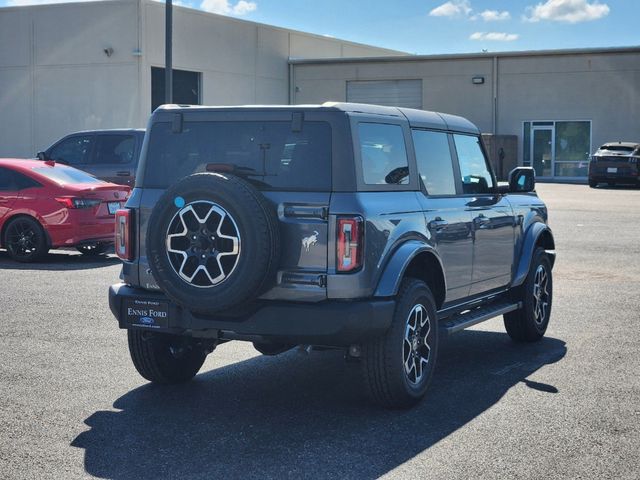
x: 46, y: 205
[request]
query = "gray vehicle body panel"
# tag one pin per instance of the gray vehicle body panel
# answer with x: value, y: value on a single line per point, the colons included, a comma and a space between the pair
x: 482, y: 243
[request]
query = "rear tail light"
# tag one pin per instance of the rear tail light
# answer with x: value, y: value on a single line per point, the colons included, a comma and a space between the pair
x: 124, y: 243
x: 73, y: 202
x: 350, y: 234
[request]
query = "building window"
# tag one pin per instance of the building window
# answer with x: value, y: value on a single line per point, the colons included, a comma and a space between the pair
x: 557, y: 149
x: 186, y: 87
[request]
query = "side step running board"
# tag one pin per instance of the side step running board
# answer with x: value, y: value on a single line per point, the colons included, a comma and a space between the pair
x: 472, y: 317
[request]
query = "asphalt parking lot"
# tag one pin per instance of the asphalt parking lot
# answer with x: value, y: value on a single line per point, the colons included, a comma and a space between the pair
x: 72, y: 405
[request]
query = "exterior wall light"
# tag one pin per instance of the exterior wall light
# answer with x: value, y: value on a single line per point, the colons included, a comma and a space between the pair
x: 477, y: 80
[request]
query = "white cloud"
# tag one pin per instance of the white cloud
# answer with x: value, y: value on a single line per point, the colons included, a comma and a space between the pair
x: 224, y: 7
x: 494, y: 15
x: 568, y: 11
x: 494, y: 36
x: 453, y: 8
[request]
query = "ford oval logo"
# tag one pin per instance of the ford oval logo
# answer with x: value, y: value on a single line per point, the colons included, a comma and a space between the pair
x: 147, y: 321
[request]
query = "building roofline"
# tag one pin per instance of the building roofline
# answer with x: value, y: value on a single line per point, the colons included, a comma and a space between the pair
x: 465, y: 56
x: 195, y: 11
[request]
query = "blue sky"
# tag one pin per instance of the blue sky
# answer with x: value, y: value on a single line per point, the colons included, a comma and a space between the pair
x: 454, y: 26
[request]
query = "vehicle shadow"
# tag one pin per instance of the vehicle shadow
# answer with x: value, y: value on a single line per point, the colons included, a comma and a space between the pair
x: 59, y: 260
x: 299, y: 416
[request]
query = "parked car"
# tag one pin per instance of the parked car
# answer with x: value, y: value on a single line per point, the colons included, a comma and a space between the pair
x: 615, y: 163
x: 372, y: 229
x: 45, y: 205
x: 111, y: 155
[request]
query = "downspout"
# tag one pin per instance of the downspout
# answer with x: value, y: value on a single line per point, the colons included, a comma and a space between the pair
x: 494, y: 86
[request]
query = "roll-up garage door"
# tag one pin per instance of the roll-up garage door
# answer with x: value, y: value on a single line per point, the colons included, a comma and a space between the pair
x: 394, y: 93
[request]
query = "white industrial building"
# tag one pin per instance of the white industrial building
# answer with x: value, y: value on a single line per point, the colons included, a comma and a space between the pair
x: 68, y: 67
x: 75, y: 66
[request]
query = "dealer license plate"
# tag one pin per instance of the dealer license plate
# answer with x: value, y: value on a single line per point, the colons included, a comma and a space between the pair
x: 113, y: 207
x: 612, y: 170
x: 146, y: 313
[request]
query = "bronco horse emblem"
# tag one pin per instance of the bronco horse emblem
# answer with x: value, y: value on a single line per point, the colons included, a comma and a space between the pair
x: 308, y: 242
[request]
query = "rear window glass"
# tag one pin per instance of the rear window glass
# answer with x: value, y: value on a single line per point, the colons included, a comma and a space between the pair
x: 65, y: 175
x: 268, y: 154
x: 617, y: 148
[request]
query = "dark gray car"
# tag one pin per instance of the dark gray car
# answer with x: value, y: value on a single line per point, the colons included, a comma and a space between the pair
x: 373, y: 229
x: 110, y: 155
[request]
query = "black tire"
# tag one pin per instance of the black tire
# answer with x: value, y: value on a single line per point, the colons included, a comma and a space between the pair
x: 93, y: 250
x: 246, y: 217
x: 593, y: 183
x: 525, y: 325
x: 271, y: 349
x: 165, y: 359
x: 387, y: 381
x: 25, y: 240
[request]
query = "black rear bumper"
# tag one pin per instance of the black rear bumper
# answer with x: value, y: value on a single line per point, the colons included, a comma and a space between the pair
x: 333, y: 323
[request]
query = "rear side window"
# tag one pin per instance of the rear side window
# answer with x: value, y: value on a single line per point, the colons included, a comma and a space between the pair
x: 434, y: 162
x: 269, y: 154
x: 475, y: 174
x: 114, y: 149
x: 6, y: 180
x: 72, y: 151
x: 65, y: 175
x: 383, y: 154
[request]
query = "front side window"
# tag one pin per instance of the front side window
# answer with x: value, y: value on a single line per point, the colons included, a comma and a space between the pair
x: 434, y: 162
x: 383, y: 154
x: 476, y: 178
x: 114, y: 149
x: 72, y: 151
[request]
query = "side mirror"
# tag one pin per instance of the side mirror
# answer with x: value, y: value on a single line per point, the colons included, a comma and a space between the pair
x: 522, y: 180
x: 41, y: 156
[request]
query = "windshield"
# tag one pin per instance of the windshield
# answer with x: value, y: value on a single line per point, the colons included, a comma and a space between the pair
x: 66, y: 175
x: 268, y: 154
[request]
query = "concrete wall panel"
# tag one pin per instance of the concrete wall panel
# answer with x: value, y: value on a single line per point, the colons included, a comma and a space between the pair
x: 15, y: 38
x: 15, y: 112
x: 85, y: 97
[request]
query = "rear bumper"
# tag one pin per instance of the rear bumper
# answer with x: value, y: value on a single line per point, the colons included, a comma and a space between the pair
x: 74, y: 233
x: 333, y: 323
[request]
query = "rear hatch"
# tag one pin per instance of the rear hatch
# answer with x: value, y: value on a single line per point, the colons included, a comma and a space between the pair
x: 287, y: 160
x: 615, y: 161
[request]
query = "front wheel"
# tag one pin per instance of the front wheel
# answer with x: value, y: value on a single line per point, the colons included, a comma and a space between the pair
x: 529, y: 323
x: 398, y: 367
x: 163, y: 358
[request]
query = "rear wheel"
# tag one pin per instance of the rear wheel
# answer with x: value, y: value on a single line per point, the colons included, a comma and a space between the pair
x: 398, y: 367
x: 529, y: 323
x: 593, y: 183
x: 162, y: 358
x: 25, y: 240
x: 94, y: 249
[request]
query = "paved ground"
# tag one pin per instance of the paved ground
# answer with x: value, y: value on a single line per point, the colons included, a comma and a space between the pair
x: 72, y: 405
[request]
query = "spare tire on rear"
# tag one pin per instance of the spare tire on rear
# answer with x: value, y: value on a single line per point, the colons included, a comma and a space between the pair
x: 212, y: 242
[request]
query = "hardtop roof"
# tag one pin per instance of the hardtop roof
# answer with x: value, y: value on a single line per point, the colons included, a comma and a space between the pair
x: 416, y: 118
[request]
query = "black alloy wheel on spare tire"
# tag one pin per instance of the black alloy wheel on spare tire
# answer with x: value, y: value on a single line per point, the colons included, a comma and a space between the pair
x: 213, y: 242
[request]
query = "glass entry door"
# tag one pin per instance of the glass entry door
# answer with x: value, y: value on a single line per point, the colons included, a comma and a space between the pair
x: 542, y: 151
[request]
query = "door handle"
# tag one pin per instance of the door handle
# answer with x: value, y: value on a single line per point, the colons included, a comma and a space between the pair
x: 123, y: 173
x: 437, y: 224
x: 481, y: 221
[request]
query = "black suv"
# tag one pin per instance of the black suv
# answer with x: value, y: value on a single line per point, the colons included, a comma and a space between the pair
x: 373, y: 229
x: 110, y: 155
x: 615, y: 163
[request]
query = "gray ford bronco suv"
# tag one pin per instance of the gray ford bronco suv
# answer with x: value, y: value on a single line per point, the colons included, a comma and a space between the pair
x: 372, y: 229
